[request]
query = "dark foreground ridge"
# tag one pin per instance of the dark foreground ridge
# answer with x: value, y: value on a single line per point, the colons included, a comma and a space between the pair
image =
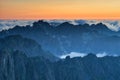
x: 15, y: 65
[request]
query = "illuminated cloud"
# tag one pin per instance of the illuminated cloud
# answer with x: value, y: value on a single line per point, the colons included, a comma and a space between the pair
x: 76, y: 54
x: 111, y: 24
x: 7, y: 24
x: 73, y: 54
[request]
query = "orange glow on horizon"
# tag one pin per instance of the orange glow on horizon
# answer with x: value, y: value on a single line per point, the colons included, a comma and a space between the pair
x: 59, y: 9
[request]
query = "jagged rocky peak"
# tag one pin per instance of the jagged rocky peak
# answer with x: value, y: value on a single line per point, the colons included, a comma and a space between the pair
x: 41, y: 23
x: 17, y: 26
x: 67, y: 57
x: 84, y: 24
x: 66, y: 24
x: 90, y: 55
x: 100, y: 26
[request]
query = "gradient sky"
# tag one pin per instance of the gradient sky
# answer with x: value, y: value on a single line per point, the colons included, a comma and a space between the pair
x: 59, y: 9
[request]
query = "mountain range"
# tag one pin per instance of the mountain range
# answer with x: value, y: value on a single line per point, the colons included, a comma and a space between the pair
x: 66, y: 37
x: 32, y: 52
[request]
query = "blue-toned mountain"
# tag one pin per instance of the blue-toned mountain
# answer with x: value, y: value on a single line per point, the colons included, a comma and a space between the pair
x: 66, y: 37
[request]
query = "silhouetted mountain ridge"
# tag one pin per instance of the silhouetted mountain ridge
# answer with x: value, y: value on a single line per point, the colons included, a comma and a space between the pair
x: 66, y: 37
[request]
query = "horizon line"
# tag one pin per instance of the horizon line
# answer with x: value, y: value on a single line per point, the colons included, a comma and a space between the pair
x: 60, y: 19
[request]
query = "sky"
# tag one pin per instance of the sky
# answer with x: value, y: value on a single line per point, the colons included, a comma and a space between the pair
x: 59, y: 9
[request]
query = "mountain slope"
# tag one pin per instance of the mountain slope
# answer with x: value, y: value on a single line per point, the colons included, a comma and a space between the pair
x: 28, y: 46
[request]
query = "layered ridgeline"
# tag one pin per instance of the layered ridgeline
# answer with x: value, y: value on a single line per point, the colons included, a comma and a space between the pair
x: 28, y: 46
x: 26, y: 52
x: 66, y: 37
x: 15, y: 65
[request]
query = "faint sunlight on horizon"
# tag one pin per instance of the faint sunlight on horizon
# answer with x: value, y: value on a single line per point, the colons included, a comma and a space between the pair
x: 59, y: 9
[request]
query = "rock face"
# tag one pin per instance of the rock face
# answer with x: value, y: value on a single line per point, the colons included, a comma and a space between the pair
x: 15, y: 65
x: 66, y: 37
x: 12, y: 65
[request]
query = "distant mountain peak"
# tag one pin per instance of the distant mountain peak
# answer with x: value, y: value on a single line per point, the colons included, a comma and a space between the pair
x: 66, y: 24
x: 100, y: 24
x: 40, y: 23
x: 91, y: 55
